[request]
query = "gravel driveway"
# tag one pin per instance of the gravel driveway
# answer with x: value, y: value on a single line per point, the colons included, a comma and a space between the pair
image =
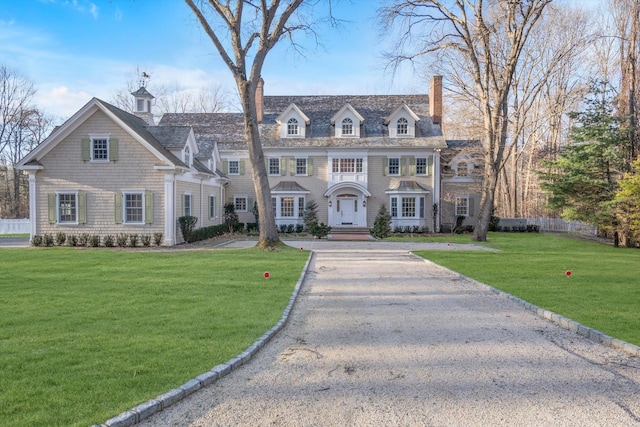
x: 379, y: 337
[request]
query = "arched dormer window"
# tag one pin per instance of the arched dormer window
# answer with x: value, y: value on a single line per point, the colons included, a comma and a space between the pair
x: 462, y: 169
x: 187, y: 156
x: 347, y: 127
x: 292, y: 127
x: 402, y: 126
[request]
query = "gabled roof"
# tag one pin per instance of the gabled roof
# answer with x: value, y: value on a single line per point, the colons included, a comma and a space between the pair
x: 403, y: 107
x: 341, y: 112
x: 295, y: 108
x: 135, y: 126
x: 227, y: 129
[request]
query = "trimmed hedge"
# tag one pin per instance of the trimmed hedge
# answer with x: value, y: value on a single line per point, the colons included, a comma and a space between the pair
x: 210, y: 232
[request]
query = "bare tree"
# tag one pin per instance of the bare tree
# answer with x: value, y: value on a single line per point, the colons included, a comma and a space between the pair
x: 244, y: 32
x: 172, y: 98
x: 483, y: 42
x: 22, y: 127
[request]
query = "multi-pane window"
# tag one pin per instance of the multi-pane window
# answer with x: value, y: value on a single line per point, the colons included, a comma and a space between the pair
x: 234, y: 167
x: 133, y: 208
x: 347, y: 165
x: 421, y: 166
x: 187, y: 204
x: 347, y: 127
x: 287, y: 206
x: 274, y: 205
x: 67, y: 208
x: 461, y: 169
x: 100, y: 149
x: 292, y: 127
x: 274, y: 166
x: 300, y: 207
x: 402, y: 126
x: 462, y: 206
x: 186, y: 157
x: 240, y: 204
x: 212, y: 206
x: 394, y: 166
x: 301, y: 166
x: 409, y: 207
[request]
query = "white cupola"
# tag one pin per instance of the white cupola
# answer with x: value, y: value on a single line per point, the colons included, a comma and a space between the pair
x: 142, y: 104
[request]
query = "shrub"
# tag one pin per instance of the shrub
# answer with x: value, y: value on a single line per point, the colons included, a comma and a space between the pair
x: 94, y: 241
x: 157, y: 238
x: 533, y: 228
x: 145, y: 239
x: 187, y: 225
x: 382, y: 223
x: 36, y: 240
x: 230, y: 216
x: 47, y: 239
x: 320, y: 230
x: 282, y: 228
x: 109, y: 240
x: 310, y: 215
x: 73, y: 240
x: 60, y: 238
x: 290, y: 228
x: 209, y: 232
x: 299, y: 228
x: 252, y: 226
x: 121, y: 240
x: 84, y: 239
x: 133, y: 240
x: 458, y: 229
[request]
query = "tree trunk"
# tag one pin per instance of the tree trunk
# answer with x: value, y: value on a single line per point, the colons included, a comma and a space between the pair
x: 268, y: 238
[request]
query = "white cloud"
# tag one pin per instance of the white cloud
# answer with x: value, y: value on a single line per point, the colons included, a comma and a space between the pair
x: 61, y: 102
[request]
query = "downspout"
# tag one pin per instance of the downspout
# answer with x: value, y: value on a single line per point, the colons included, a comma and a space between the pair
x: 32, y: 205
x: 436, y: 186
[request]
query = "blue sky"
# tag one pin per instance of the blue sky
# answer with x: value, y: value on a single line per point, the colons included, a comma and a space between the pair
x: 74, y: 50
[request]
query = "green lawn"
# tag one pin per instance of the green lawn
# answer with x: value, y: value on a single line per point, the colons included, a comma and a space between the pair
x: 14, y: 235
x: 87, y: 334
x: 603, y: 291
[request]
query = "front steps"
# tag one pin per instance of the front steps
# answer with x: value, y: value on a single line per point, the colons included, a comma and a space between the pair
x: 350, y: 233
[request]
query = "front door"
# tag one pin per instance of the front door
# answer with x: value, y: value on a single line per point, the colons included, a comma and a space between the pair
x: 346, y: 210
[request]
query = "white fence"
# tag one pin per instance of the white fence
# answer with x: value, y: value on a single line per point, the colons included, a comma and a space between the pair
x: 552, y: 224
x: 14, y: 226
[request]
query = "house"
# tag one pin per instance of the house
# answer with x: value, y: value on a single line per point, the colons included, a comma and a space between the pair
x: 106, y: 171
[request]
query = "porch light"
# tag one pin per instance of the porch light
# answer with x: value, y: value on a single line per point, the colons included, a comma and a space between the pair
x: 330, y: 203
x: 364, y: 203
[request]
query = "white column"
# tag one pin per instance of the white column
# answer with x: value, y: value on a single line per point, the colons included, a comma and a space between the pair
x: 33, y: 218
x: 169, y: 210
x: 436, y: 187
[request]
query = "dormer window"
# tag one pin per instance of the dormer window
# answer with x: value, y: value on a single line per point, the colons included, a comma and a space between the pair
x: 347, y: 127
x: 402, y: 126
x: 186, y: 156
x: 462, y: 169
x: 292, y: 127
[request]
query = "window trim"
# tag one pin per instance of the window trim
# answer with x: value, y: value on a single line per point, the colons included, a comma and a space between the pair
x: 93, y: 138
x: 274, y: 164
x: 187, y: 197
x: 75, y: 208
x: 398, y: 166
x: 212, y: 206
x: 246, y: 203
x: 347, y: 125
x: 396, y: 203
x: 426, y: 166
x: 293, y: 127
x: 141, y: 193
x: 235, y: 161
x: 306, y: 166
x: 466, y: 206
x: 402, y: 124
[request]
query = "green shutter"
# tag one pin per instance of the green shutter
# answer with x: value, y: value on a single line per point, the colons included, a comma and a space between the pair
x: 82, y: 208
x: 430, y: 165
x: 184, y: 204
x: 113, y: 149
x: 471, y: 200
x: 309, y: 167
x: 86, y: 149
x: 117, y: 209
x: 51, y: 199
x: 412, y: 166
x: 225, y: 166
x: 404, y: 170
x: 283, y: 166
x: 241, y: 167
x: 148, y: 208
x: 385, y: 169
x: 249, y: 204
x: 292, y: 166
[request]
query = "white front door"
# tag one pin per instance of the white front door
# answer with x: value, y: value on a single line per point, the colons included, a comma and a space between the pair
x: 346, y: 210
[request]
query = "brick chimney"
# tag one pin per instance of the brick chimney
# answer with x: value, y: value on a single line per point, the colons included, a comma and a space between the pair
x: 435, y: 99
x: 259, y: 99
